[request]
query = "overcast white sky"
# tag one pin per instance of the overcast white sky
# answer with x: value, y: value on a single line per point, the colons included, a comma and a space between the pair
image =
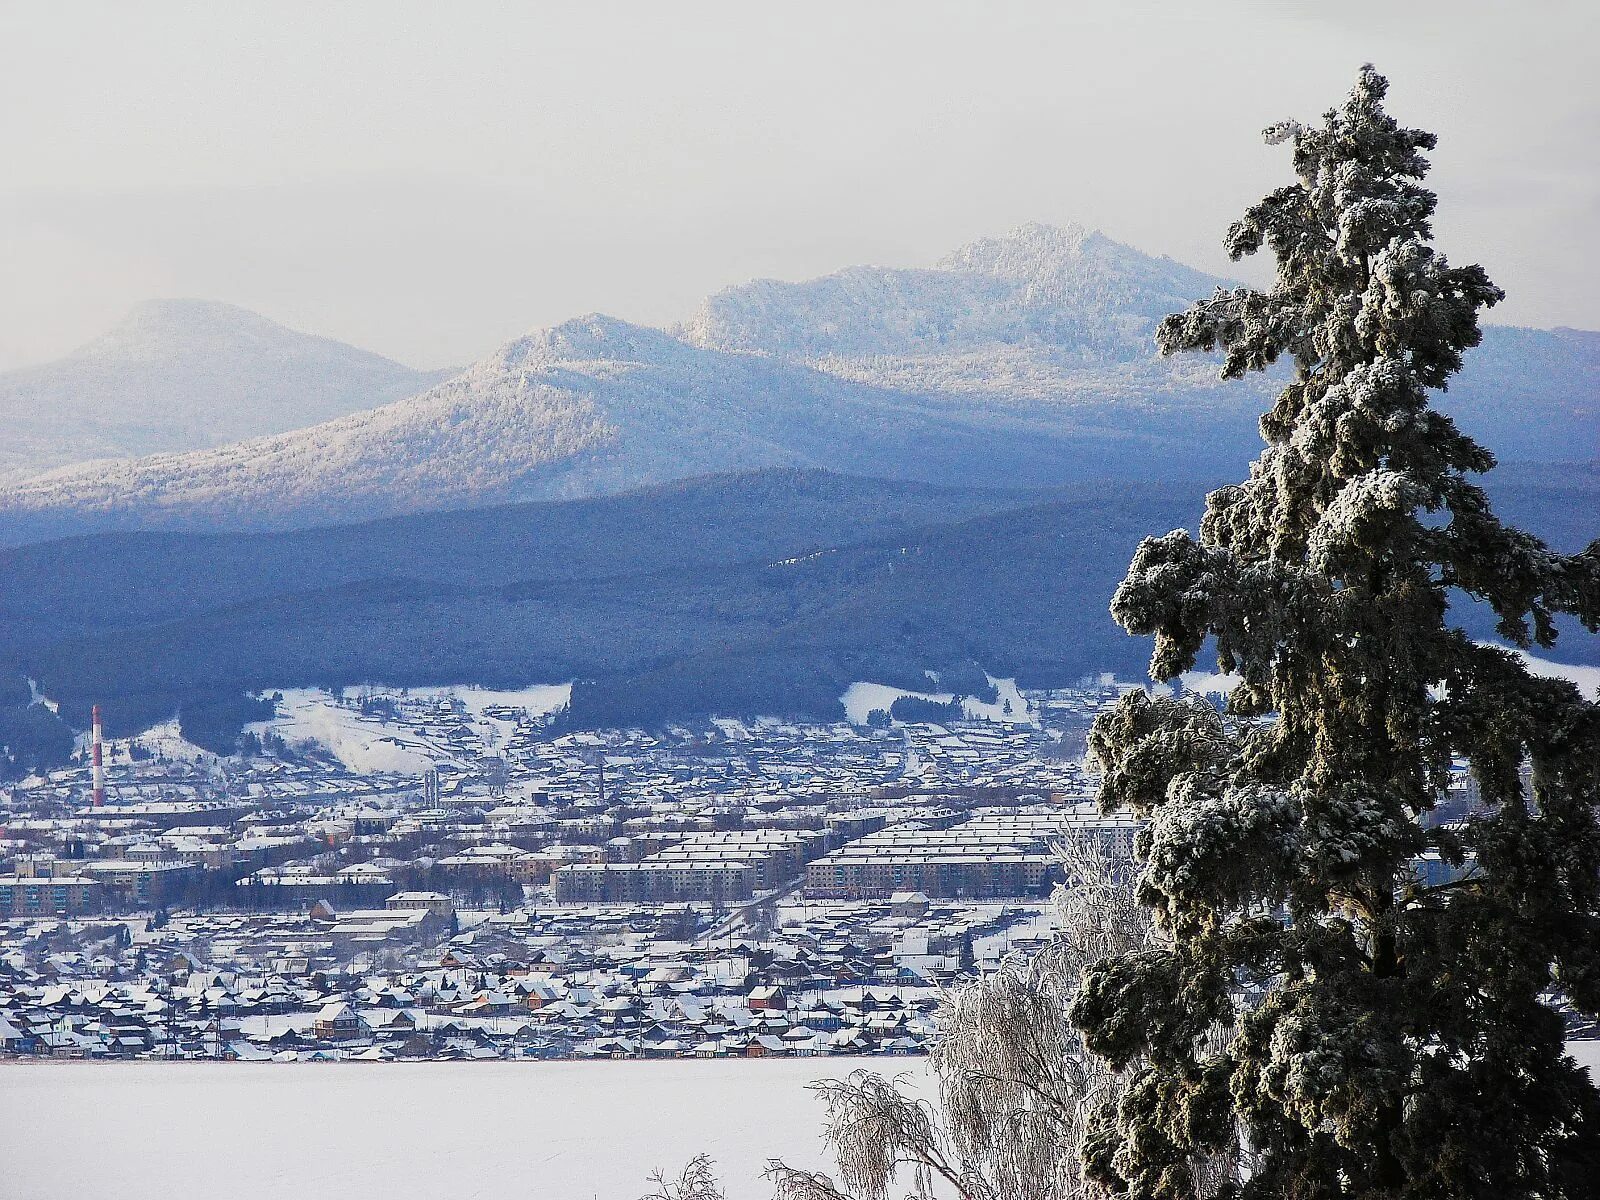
x: 429, y: 179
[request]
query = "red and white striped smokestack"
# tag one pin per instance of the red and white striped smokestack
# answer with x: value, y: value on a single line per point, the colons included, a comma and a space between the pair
x: 99, y: 761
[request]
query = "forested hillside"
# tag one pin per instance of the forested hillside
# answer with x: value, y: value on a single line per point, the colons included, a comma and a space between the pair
x: 761, y: 593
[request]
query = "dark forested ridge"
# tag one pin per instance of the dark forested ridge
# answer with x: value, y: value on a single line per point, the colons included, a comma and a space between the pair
x: 760, y: 593
x: 110, y: 581
x: 764, y: 592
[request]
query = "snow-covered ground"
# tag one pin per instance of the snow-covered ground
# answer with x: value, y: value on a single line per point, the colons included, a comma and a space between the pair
x: 164, y: 741
x: 1588, y: 1056
x: 40, y: 698
x: 404, y: 1131
x: 537, y: 700
x: 360, y: 743
x: 414, y: 1131
x: 861, y: 698
x: 1211, y: 683
x: 365, y: 743
x: 1587, y: 678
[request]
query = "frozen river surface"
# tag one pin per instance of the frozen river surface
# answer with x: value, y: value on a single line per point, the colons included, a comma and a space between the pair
x: 402, y: 1131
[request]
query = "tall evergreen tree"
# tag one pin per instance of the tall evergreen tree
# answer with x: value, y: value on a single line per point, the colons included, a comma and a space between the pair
x: 1356, y: 1030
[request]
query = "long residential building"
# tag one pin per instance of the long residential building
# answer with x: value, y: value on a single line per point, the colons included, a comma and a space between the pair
x: 994, y: 855
x: 48, y: 893
x: 719, y: 881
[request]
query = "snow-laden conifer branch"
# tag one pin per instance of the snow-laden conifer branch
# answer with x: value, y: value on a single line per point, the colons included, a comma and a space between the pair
x: 1361, y: 1033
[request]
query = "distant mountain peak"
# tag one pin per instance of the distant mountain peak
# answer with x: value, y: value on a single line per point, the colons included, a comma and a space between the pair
x: 192, y: 309
x: 182, y: 374
x: 591, y: 338
x: 1069, y: 291
x: 1075, y: 265
x: 163, y: 325
x: 1015, y: 254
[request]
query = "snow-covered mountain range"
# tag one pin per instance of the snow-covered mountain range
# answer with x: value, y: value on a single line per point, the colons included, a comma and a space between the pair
x: 1025, y: 359
x: 179, y: 375
x: 1046, y: 314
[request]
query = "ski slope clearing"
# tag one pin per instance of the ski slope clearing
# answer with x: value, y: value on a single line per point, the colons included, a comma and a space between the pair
x: 1009, y: 707
x: 164, y: 742
x: 494, y: 714
x: 537, y: 701
x: 368, y: 743
x: 361, y: 743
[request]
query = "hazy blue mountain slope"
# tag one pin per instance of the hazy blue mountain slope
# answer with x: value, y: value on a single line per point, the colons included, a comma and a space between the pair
x: 1558, y: 501
x: 592, y: 407
x: 747, y: 594
x: 114, y: 581
x: 853, y: 572
x: 182, y: 374
x: 1531, y: 394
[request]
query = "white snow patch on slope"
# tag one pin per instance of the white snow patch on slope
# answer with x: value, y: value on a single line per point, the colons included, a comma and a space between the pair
x: 862, y: 698
x: 1005, y: 693
x: 536, y: 701
x: 165, y: 741
x: 1587, y: 679
x: 1211, y: 683
x: 360, y: 743
x: 368, y: 744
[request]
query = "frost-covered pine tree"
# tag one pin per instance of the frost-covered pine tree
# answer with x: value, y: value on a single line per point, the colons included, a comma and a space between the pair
x: 1356, y: 1031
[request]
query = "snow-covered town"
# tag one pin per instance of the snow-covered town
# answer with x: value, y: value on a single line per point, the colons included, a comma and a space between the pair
x: 448, y: 874
x: 829, y: 602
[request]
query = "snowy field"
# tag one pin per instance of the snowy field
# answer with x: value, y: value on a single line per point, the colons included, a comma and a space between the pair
x: 403, y: 1131
x: 369, y: 744
x: 861, y: 698
x: 411, y: 1131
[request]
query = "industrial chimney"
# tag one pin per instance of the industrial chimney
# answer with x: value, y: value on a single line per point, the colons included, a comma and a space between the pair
x: 99, y: 761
